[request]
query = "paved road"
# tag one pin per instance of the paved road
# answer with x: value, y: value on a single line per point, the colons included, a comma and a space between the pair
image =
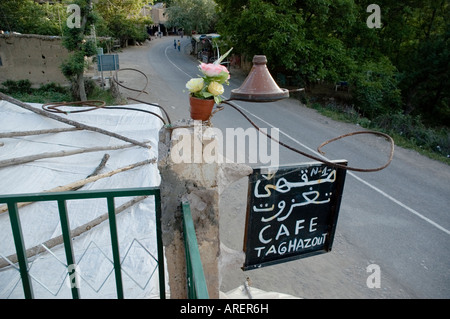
x: 397, y: 219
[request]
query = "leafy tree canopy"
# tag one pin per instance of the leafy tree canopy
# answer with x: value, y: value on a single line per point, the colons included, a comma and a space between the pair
x: 122, y: 19
x: 403, y: 65
x: 30, y: 17
x: 192, y: 15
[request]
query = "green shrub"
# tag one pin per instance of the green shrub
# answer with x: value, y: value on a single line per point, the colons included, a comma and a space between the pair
x: 412, y: 128
x: 53, y: 87
x: 375, y: 88
x: 50, y: 92
x: 23, y: 86
x: 407, y: 130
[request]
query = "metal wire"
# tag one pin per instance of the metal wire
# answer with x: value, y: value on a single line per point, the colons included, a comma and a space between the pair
x: 391, y: 155
x: 53, y: 107
x: 97, y: 104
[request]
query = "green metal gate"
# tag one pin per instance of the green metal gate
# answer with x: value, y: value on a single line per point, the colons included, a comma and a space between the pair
x: 61, y: 198
x: 195, y: 277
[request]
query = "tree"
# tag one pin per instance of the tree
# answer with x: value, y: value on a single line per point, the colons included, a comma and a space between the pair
x: 192, y: 15
x: 403, y: 65
x: 30, y: 17
x: 296, y: 36
x: 415, y: 37
x: 122, y: 19
x: 74, y: 40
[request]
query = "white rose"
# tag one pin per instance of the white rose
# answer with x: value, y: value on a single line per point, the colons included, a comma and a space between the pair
x: 194, y: 85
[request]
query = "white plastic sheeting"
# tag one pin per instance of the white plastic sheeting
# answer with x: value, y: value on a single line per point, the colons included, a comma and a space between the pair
x: 40, y: 221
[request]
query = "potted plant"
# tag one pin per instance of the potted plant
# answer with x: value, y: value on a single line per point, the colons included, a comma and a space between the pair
x: 207, y: 89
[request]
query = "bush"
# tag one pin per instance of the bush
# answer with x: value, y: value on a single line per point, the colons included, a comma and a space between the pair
x: 22, y: 86
x: 53, y: 87
x: 375, y: 88
x: 50, y: 92
x: 412, y: 128
x: 407, y: 130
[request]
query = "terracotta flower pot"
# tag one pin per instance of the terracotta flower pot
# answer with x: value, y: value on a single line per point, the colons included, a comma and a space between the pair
x: 200, y: 109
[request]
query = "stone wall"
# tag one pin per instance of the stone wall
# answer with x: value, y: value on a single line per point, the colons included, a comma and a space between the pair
x: 201, y: 184
x: 33, y: 57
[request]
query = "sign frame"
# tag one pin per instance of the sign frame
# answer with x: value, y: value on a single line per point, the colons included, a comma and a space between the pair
x: 107, y: 62
x: 279, y: 229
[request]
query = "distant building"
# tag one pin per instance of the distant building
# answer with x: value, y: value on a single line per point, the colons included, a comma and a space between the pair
x: 157, y: 13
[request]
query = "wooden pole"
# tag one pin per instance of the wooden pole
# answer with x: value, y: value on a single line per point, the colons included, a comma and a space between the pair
x: 71, y: 186
x: 31, y: 158
x: 97, y: 170
x: 70, y: 122
x: 38, y: 132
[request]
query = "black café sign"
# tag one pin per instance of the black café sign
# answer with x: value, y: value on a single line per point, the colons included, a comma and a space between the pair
x: 291, y: 213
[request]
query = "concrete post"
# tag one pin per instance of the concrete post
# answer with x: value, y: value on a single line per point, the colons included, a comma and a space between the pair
x: 189, y: 173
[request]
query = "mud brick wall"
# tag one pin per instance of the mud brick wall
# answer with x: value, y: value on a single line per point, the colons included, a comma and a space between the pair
x: 33, y: 57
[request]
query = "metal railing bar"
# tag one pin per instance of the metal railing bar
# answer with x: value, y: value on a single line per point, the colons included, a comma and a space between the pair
x: 61, y: 198
x: 115, y: 246
x: 20, y: 250
x: 63, y: 264
x: 159, y: 243
x: 65, y: 227
x: 69, y: 195
x: 197, y: 281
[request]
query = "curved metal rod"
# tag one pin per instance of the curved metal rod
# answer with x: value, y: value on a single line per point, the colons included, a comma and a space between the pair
x: 391, y: 155
x: 131, y: 89
x: 153, y: 104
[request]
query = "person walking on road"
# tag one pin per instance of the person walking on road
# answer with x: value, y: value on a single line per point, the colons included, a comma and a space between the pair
x: 179, y: 45
x: 174, y: 44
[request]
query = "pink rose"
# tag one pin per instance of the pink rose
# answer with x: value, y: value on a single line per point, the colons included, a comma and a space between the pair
x: 212, y: 70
